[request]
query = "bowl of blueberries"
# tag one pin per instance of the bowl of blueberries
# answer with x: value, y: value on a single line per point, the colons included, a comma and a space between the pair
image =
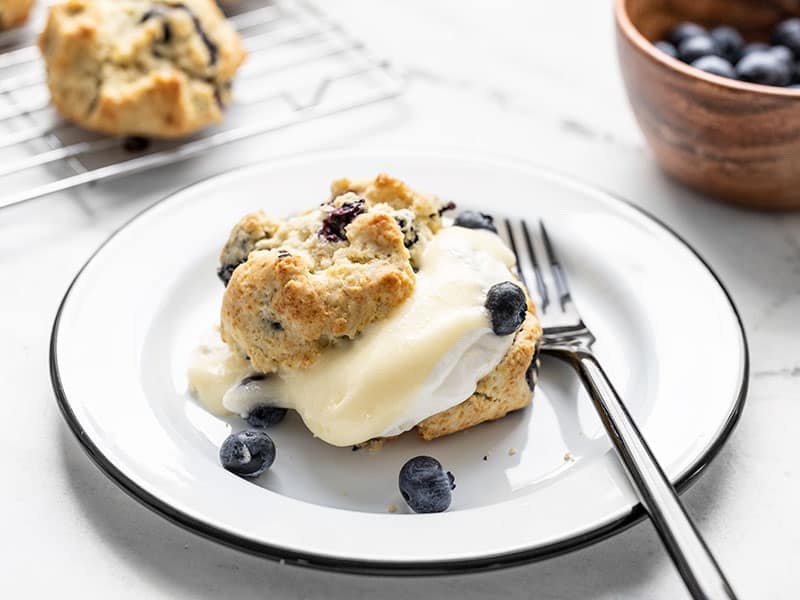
x: 715, y: 87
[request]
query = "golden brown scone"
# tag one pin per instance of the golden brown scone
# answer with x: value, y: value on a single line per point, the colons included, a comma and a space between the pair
x: 140, y: 67
x: 508, y: 387
x: 295, y: 286
x: 14, y: 12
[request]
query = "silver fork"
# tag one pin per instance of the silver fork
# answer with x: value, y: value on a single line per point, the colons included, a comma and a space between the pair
x: 568, y: 338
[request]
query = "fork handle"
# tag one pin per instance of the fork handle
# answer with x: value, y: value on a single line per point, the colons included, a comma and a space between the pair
x: 691, y: 556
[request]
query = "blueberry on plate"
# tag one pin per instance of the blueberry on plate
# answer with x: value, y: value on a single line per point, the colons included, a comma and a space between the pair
x: 475, y: 220
x: 684, y: 31
x: 787, y: 33
x: 507, y: 306
x: 247, y: 453
x: 716, y: 66
x: 667, y: 48
x: 729, y: 42
x: 264, y: 415
x: 697, y: 47
x: 425, y: 485
x: 764, y: 68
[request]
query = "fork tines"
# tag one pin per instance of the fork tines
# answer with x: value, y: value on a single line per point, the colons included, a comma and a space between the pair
x: 532, y: 257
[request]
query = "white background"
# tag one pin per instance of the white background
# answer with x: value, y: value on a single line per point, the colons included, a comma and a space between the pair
x: 535, y: 79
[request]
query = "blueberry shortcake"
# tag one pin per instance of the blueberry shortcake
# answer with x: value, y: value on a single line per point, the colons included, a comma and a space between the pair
x: 370, y: 317
x: 14, y: 12
x: 154, y: 68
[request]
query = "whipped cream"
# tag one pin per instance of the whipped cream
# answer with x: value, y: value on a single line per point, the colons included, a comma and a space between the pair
x: 426, y: 357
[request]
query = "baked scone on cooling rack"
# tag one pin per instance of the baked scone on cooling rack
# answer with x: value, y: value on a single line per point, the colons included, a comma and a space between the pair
x: 159, y: 69
x: 371, y: 316
x: 14, y: 12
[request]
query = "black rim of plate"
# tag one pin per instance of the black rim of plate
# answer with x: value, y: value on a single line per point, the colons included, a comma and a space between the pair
x: 389, y: 568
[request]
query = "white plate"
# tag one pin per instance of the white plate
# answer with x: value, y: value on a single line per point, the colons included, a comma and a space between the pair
x: 667, y: 332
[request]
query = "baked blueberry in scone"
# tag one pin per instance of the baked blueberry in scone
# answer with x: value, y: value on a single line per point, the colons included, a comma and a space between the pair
x: 140, y: 67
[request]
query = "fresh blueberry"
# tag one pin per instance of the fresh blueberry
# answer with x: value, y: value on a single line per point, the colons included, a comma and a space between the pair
x: 787, y: 33
x: 425, y: 485
x: 783, y: 54
x: 667, y: 48
x: 728, y: 41
x: 507, y: 306
x: 754, y: 47
x: 684, y: 31
x: 475, y: 220
x: 716, y: 66
x: 696, y: 47
x: 764, y: 68
x: 247, y: 453
x: 263, y: 415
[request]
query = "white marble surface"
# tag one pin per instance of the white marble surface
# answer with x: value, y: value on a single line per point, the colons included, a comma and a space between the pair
x: 536, y: 79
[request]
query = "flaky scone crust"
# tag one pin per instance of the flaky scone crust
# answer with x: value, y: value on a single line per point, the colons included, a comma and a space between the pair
x: 503, y: 390
x: 298, y: 292
x: 155, y: 68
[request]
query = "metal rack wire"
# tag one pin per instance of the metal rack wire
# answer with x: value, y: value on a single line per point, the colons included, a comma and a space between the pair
x: 301, y: 66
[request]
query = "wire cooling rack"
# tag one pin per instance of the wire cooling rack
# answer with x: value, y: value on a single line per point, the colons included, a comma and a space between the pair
x: 301, y: 66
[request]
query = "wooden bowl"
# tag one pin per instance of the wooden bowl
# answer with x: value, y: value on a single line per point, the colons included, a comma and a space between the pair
x: 735, y: 141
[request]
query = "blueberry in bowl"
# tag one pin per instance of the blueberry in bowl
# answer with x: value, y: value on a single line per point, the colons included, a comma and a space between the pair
x: 728, y: 42
x: 684, y: 31
x: 787, y: 33
x: 765, y: 68
x: 715, y: 65
x: 693, y: 48
x: 723, y: 52
x: 782, y: 54
x: 704, y: 116
x: 667, y: 48
x: 754, y: 47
